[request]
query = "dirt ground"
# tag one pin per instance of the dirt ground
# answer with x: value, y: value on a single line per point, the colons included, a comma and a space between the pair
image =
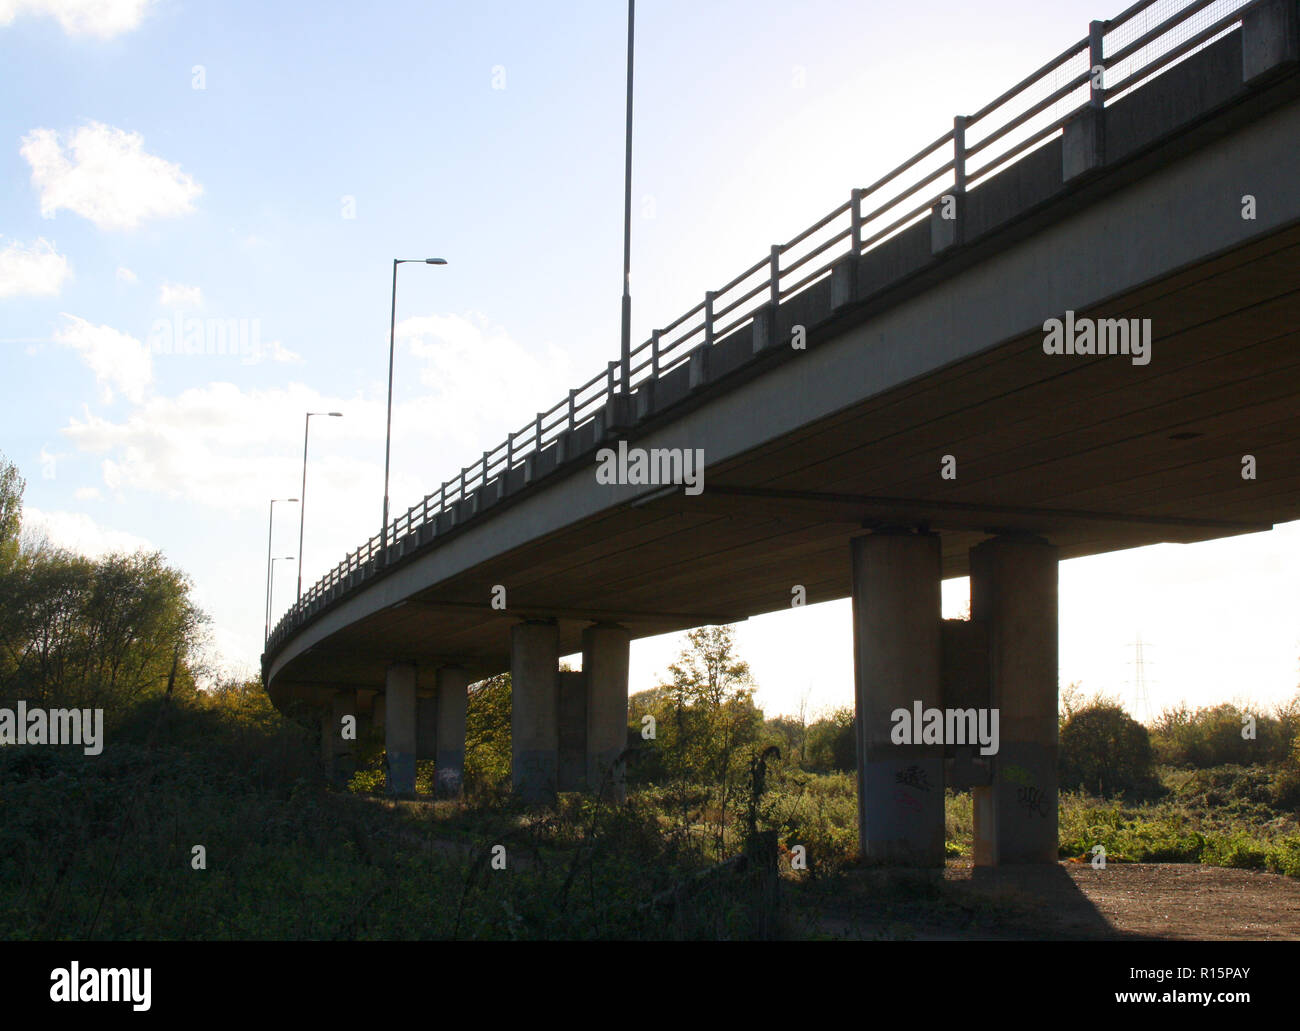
x: 1066, y: 901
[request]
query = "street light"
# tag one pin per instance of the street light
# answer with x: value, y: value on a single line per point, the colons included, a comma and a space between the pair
x: 269, y: 521
x: 388, y: 432
x: 302, y: 509
x: 625, y: 356
x: 270, y: 586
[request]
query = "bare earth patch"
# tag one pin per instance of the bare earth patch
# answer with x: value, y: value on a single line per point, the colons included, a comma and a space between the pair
x: 1065, y: 901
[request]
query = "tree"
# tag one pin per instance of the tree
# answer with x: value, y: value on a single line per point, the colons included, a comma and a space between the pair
x: 102, y: 633
x: 487, y: 732
x: 1104, y: 750
x: 833, y: 742
x: 11, y: 510
x: 709, y: 717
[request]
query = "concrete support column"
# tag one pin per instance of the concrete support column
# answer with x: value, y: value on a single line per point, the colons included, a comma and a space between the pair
x: 897, y: 651
x: 326, y: 714
x: 453, y: 698
x: 399, y: 728
x: 605, y: 649
x: 1014, y: 592
x: 340, y: 752
x: 534, y: 705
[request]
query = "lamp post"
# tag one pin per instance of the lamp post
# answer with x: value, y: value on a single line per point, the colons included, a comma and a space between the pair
x: 302, y: 508
x: 270, y: 520
x: 626, y: 351
x: 270, y: 585
x: 388, y: 431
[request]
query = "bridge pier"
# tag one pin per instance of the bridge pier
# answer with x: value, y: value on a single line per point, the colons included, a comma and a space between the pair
x: 605, y: 651
x: 339, y: 753
x: 449, y: 762
x: 534, y: 710
x: 897, y: 610
x: 1014, y: 593
x: 400, y: 728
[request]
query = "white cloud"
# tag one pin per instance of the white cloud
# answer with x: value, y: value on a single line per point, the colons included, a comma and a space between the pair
x: 78, y: 532
x: 464, y: 358
x: 34, y: 270
x: 105, y: 175
x: 125, y: 275
x: 223, y: 447
x: 229, y: 448
x: 179, y: 294
x: 116, y: 359
x: 102, y: 18
x: 87, y: 494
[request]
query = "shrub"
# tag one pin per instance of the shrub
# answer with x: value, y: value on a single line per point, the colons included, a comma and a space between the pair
x: 1106, y: 751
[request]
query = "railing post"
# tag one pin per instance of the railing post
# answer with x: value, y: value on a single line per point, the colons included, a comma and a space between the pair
x: 775, y: 261
x: 537, y: 432
x: 959, y: 153
x: 442, y: 498
x: 609, y: 378
x: 1096, y: 44
x: 856, y: 219
x: 654, y: 354
x: 463, y: 471
x: 510, y: 450
x: 709, y: 295
x: 572, y: 407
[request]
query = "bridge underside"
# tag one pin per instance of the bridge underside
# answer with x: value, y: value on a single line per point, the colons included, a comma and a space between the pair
x: 1093, y: 453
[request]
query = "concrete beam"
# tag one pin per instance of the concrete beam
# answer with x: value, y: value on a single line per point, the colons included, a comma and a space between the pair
x: 572, y: 730
x: 897, y: 656
x: 453, y: 699
x: 534, y: 727
x: 1269, y: 38
x: 814, y: 507
x: 1014, y: 593
x: 399, y: 728
x: 605, y: 656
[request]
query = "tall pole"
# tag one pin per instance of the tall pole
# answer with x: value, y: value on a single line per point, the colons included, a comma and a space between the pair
x: 269, y: 520
x: 627, y: 214
x: 388, y: 431
x: 302, y: 508
x: 302, y: 499
x: 270, y: 585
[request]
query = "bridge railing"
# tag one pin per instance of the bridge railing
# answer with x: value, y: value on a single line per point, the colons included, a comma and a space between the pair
x: 1115, y: 57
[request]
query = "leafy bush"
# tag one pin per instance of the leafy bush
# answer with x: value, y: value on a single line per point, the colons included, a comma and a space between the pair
x: 1106, y: 751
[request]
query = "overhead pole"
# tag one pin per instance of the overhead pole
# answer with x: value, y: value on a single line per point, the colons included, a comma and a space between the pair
x: 626, y: 353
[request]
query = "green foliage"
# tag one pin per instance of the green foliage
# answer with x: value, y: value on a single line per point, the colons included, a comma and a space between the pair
x: 707, y: 729
x: 832, y: 742
x: 1106, y: 751
x: 12, y: 486
x: 105, y: 633
x: 487, y: 734
x: 818, y: 812
x: 1212, y: 735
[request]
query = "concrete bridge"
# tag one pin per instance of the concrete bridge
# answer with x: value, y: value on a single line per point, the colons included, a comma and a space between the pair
x: 882, y: 402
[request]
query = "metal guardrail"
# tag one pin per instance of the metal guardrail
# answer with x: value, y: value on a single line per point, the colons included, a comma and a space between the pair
x: 1143, y: 41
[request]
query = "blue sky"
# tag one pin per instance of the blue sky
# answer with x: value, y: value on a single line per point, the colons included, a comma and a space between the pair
x: 329, y: 138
